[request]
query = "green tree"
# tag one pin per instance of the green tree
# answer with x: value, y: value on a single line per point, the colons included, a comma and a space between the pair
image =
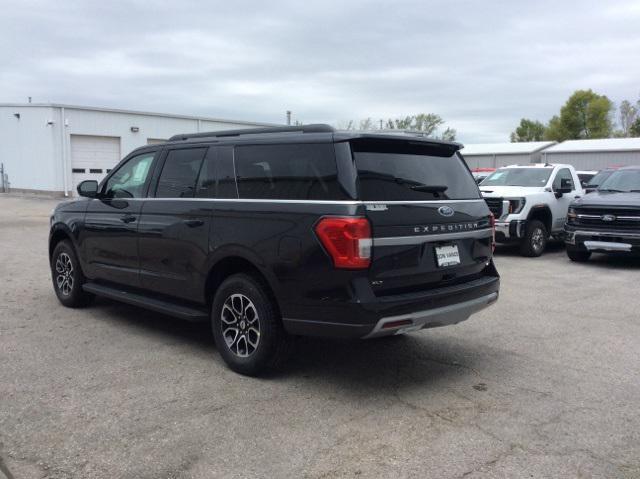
x: 585, y: 115
x: 634, y: 129
x: 426, y: 123
x: 528, y: 130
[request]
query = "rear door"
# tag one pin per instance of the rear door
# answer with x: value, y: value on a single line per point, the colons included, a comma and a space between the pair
x: 174, y: 227
x: 430, y: 225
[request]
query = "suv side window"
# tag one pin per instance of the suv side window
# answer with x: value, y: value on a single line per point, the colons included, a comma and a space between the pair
x: 288, y: 172
x: 180, y: 173
x: 563, y: 174
x: 129, y: 180
x: 217, y: 179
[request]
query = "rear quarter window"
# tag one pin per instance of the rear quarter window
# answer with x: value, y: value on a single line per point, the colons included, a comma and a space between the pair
x: 287, y: 172
x: 400, y: 171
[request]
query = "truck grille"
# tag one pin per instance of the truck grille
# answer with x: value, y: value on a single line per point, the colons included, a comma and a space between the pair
x: 609, y: 218
x: 495, y: 205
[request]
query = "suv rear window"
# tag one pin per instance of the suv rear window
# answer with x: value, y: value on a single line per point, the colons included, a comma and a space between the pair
x: 404, y: 171
x: 288, y: 172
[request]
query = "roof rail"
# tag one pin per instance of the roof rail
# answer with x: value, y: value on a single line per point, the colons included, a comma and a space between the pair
x: 316, y: 128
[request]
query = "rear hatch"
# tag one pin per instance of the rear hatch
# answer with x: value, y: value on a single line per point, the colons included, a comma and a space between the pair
x: 430, y: 226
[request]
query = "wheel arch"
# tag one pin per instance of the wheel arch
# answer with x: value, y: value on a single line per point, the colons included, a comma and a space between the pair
x: 59, y: 233
x: 542, y: 213
x: 233, y: 264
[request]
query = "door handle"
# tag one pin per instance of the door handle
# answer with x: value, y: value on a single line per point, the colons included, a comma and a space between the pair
x: 193, y: 223
x: 127, y: 218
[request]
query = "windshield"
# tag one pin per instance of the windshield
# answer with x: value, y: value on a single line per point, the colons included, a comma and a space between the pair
x: 599, y: 178
x: 622, y: 180
x: 397, y: 172
x: 533, y: 177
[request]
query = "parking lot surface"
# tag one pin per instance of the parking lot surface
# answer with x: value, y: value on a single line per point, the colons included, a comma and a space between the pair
x: 546, y: 383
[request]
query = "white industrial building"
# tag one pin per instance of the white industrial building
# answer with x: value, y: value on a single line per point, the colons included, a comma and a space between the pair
x: 50, y: 148
x: 495, y: 155
x: 595, y: 154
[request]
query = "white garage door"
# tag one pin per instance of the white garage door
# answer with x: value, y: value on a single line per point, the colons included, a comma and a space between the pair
x: 92, y: 157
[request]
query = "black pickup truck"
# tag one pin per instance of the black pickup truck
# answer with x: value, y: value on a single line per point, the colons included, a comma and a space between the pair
x: 608, y: 219
x: 277, y: 232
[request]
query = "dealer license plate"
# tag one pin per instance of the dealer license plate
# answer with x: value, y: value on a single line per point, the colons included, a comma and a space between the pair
x: 447, y: 255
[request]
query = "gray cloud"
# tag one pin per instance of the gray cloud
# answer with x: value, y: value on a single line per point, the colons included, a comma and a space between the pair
x: 481, y: 65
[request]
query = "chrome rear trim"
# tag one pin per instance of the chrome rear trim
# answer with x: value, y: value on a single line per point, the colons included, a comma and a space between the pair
x: 443, y: 316
x: 407, y: 240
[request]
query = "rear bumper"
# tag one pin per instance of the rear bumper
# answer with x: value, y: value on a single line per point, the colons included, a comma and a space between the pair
x: 368, y: 316
x: 431, y: 318
x: 602, y: 241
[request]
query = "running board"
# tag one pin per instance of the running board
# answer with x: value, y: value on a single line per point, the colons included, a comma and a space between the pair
x: 187, y: 313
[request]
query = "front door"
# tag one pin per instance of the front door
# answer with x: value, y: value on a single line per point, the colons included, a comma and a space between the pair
x: 563, y: 179
x: 109, y: 241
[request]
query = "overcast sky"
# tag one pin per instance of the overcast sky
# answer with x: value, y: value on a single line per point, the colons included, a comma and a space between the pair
x: 480, y: 65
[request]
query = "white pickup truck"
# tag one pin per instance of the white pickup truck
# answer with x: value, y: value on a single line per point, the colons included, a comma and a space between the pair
x: 530, y: 203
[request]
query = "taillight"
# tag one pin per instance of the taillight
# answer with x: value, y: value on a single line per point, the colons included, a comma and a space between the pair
x: 492, y: 222
x: 347, y: 240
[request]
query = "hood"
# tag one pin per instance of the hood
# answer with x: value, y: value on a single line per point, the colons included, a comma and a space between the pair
x: 510, y: 191
x: 605, y: 198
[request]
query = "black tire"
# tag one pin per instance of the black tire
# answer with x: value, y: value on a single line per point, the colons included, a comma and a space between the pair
x: 244, y: 301
x: 67, y: 276
x: 579, y: 256
x: 535, y: 239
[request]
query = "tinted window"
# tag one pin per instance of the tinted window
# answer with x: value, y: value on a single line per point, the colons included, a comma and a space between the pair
x: 288, y: 172
x: 129, y: 180
x: 532, y: 177
x: 394, y: 171
x: 217, y: 179
x: 179, y: 173
x: 563, y: 179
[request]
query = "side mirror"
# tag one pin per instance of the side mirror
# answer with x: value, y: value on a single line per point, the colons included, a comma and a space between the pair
x: 88, y: 188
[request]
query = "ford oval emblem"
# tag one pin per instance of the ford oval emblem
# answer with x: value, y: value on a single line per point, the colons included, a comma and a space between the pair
x: 608, y: 218
x: 445, y: 211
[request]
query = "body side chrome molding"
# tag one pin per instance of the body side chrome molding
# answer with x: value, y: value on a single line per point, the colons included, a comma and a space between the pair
x: 408, y: 240
x: 319, y: 202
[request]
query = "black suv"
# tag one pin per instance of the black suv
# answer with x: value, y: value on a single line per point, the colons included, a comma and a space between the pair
x: 608, y: 219
x: 276, y: 232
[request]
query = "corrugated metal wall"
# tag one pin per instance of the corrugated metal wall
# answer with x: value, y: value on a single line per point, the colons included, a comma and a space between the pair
x: 495, y: 161
x: 594, y: 160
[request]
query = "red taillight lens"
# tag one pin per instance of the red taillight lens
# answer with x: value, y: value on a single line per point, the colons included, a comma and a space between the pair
x: 492, y: 222
x: 347, y: 240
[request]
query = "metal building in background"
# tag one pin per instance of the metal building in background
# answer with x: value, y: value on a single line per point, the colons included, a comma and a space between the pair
x: 50, y: 148
x: 595, y: 154
x: 495, y: 155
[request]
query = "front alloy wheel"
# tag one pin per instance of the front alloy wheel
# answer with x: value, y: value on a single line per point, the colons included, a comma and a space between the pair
x: 64, y: 274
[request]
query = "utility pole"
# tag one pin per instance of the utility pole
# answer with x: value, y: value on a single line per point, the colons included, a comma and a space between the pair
x: 288, y: 117
x: 381, y: 123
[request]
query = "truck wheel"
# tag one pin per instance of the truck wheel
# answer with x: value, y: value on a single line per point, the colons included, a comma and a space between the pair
x: 535, y: 239
x: 67, y: 276
x: 247, y: 327
x: 578, y: 256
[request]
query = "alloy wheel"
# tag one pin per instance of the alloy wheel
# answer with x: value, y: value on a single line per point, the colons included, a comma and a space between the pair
x: 64, y: 274
x: 240, y: 325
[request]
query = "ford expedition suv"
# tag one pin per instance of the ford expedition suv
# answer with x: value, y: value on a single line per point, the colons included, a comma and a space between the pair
x: 277, y: 232
x: 607, y: 220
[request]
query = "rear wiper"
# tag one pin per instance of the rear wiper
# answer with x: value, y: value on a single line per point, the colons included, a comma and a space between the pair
x: 611, y: 190
x: 634, y: 191
x: 430, y: 188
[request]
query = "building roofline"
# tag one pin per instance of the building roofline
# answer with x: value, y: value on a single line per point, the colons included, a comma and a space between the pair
x: 135, y: 112
x: 607, y: 150
x: 541, y: 147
